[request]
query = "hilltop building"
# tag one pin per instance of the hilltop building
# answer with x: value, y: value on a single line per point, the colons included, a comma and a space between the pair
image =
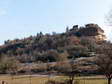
x: 90, y: 30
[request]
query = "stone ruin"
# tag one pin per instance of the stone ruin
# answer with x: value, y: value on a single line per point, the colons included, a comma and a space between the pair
x: 90, y: 30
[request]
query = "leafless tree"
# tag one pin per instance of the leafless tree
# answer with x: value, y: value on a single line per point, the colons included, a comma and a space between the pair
x: 67, y: 68
x: 104, y: 61
x: 109, y: 17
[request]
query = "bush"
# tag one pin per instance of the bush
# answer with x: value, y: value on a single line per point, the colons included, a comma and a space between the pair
x: 8, y: 65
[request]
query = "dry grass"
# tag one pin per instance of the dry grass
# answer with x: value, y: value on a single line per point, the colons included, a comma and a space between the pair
x: 43, y: 79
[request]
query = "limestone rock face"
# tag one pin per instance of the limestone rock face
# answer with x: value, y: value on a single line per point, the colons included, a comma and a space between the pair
x: 90, y: 31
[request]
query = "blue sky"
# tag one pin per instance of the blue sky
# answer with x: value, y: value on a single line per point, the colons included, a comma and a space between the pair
x: 22, y: 18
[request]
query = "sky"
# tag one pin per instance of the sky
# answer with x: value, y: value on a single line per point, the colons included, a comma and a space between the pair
x: 22, y: 18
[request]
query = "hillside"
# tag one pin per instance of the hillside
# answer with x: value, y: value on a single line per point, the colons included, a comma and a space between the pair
x: 75, y: 42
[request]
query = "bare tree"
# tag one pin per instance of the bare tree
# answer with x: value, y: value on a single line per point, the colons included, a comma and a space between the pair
x: 67, y: 67
x: 104, y: 61
x: 109, y: 17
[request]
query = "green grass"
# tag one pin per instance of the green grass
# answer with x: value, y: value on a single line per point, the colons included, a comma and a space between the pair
x: 42, y: 80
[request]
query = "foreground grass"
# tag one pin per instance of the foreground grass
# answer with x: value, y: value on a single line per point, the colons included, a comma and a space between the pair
x: 43, y: 79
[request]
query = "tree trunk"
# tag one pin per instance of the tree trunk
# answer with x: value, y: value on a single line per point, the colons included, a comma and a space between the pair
x: 71, y: 80
x: 109, y: 80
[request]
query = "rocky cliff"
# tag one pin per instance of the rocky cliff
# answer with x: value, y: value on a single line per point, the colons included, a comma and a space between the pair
x: 89, y: 30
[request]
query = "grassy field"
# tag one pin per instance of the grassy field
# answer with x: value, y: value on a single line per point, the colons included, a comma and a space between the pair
x: 43, y: 79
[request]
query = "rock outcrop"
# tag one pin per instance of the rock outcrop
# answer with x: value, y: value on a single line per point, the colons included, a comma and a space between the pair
x: 90, y: 30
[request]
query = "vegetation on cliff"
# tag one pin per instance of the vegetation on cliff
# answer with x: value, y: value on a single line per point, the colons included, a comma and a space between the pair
x: 76, y: 42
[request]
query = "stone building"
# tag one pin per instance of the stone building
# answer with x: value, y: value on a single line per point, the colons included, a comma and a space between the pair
x: 90, y: 30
